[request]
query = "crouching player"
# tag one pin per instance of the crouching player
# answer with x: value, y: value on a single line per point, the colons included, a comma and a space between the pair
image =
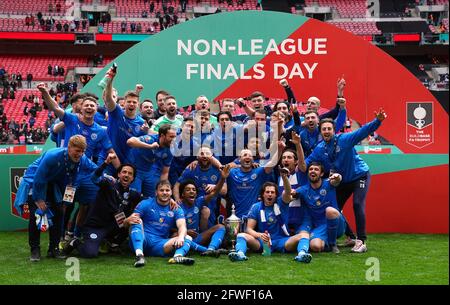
x: 267, y: 224
x: 192, y: 205
x: 151, y: 237
x: 323, y: 219
x: 109, y: 218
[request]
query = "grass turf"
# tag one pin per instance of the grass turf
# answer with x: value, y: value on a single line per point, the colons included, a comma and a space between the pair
x: 403, y: 259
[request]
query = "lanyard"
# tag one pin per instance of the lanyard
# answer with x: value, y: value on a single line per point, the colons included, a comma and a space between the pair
x: 71, y: 173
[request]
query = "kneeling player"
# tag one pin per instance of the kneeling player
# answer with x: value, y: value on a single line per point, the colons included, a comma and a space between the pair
x: 151, y: 237
x: 267, y: 224
x: 319, y: 197
x: 192, y: 206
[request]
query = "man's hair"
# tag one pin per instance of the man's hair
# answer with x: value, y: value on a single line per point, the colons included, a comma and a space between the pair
x: 129, y: 165
x: 322, y: 169
x: 326, y: 120
x: 89, y: 98
x: 185, y: 183
x: 188, y: 118
x: 163, y: 182
x: 131, y: 93
x: 260, y: 111
x: 77, y: 96
x: 169, y: 97
x: 78, y: 141
x: 263, y: 189
x: 256, y: 94
x: 227, y: 100
x: 226, y: 113
x: 147, y: 100
x: 282, y: 102
x: 161, y: 92
x: 311, y: 111
x: 164, y: 129
x: 291, y: 151
x: 92, y: 95
x: 204, y: 112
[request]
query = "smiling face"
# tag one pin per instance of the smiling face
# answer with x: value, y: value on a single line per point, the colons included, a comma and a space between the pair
x: 327, y: 131
x: 314, y: 173
x: 288, y: 160
x: 88, y: 109
x: 246, y: 159
x: 75, y: 153
x: 189, y: 194
x: 126, y: 176
x: 165, y: 140
x: 201, y: 103
x: 269, y: 195
x: 258, y: 102
x: 225, y: 122
x: 147, y: 109
x: 313, y: 103
x: 228, y: 105
x: 131, y: 105
x: 171, y: 107
x: 311, y: 120
x: 163, y: 193
x: 160, y: 101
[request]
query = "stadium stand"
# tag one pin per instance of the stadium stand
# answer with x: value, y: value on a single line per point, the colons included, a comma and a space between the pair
x: 32, y: 6
x: 358, y: 27
x: 345, y: 8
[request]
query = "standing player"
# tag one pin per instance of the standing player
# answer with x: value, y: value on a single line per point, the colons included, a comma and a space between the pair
x: 46, y: 180
x: 151, y: 237
x: 337, y: 154
x: 123, y: 125
x: 152, y: 157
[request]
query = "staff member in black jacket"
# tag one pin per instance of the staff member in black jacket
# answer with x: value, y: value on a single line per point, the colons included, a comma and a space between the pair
x: 109, y: 217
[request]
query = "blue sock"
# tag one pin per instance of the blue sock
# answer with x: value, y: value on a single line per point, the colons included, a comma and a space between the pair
x: 241, y: 244
x: 184, y: 249
x: 303, y: 245
x: 216, y: 239
x: 137, y: 237
x: 197, y: 247
x: 332, y: 225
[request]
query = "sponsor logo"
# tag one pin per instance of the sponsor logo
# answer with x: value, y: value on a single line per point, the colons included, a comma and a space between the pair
x: 419, y: 124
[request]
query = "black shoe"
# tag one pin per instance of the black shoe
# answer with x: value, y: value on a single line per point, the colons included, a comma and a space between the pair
x: 70, y: 246
x: 223, y: 251
x: 55, y: 253
x: 35, y: 255
x: 140, y: 261
x: 181, y: 260
x: 211, y: 253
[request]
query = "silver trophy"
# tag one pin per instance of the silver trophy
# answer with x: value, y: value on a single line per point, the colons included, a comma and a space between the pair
x: 232, y: 225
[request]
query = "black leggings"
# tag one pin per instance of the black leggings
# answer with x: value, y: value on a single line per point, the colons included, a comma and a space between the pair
x: 359, y: 189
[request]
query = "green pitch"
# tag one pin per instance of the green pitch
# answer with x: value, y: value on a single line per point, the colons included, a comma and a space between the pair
x: 403, y: 259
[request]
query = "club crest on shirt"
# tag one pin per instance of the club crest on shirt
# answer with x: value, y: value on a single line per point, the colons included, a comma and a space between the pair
x: 214, y: 178
x: 338, y: 149
x: 94, y: 136
x: 254, y: 176
x: 93, y: 236
x: 137, y: 128
x: 170, y: 214
x: 323, y: 192
x: 196, y: 210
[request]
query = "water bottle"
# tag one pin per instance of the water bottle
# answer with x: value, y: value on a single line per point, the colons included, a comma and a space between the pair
x: 102, y: 84
x: 266, y: 246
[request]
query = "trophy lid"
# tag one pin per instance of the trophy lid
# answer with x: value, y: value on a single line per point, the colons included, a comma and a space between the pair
x: 233, y: 217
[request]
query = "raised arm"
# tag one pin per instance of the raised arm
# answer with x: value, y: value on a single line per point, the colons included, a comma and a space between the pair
x: 224, y: 173
x: 287, y: 192
x: 110, y: 103
x: 358, y: 135
x: 136, y: 143
x: 50, y: 102
x: 301, y: 165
